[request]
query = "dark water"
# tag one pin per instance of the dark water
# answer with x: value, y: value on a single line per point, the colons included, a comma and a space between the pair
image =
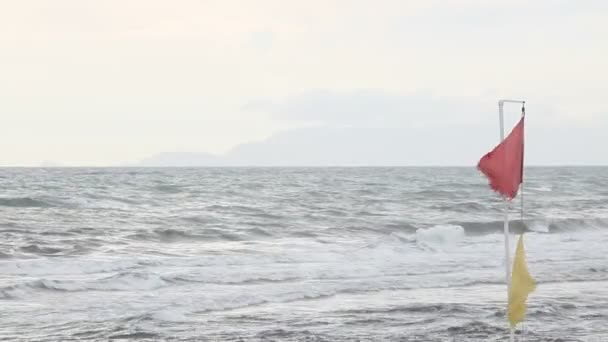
x: 299, y: 254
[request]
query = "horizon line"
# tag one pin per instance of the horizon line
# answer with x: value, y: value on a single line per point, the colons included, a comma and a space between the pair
x: 274, y: 166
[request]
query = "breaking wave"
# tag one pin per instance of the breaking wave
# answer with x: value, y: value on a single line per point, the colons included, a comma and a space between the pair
x: 539, y: 226
x: 125, y: 281
x: 439, y: 237
x: 41, y: 250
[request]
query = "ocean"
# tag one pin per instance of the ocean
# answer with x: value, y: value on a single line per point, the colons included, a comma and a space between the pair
x: 296, y: 254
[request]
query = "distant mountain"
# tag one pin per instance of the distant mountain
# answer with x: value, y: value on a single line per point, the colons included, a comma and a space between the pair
x: 547, y: 143
x: 348, y: 146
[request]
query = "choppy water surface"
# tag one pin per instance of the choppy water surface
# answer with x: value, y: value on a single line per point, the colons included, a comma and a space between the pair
x: 299, y: 254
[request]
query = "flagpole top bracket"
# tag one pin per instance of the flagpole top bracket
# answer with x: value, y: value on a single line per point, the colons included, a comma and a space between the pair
x: 501, y: 102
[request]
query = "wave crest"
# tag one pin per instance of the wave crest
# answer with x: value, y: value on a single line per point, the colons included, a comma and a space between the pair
x: 535, y: 225
x: 439, y: 237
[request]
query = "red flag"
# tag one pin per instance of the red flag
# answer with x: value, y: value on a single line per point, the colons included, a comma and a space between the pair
x: 504, y: 165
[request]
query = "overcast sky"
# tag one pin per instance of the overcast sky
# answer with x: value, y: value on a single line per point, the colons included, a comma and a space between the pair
x: 110, y: 82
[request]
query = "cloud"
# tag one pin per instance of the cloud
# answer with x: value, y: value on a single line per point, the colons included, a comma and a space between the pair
x: 175, y: 77
x: 262, y: 40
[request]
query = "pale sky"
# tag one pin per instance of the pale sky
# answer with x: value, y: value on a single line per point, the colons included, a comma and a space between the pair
x: 112, y: 82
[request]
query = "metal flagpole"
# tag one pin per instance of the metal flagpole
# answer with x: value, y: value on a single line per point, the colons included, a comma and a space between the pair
x: 506, y: 220
x: 521, y: 189
x: 506, y: 213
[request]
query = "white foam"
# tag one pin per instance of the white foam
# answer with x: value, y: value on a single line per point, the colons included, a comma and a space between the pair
x: 541, y: 188
x: 539, y: 226
x: 119, y: 282
x: 57, y: 267
x: 439, y: 237
x: 170, y: 315
x: 129, y: 282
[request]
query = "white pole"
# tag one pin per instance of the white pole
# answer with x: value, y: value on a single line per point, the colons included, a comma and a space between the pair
x: 506, y: 223
x: 521, y: 190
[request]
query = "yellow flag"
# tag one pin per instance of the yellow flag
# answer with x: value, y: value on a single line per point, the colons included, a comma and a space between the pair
x: 522, y: 284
